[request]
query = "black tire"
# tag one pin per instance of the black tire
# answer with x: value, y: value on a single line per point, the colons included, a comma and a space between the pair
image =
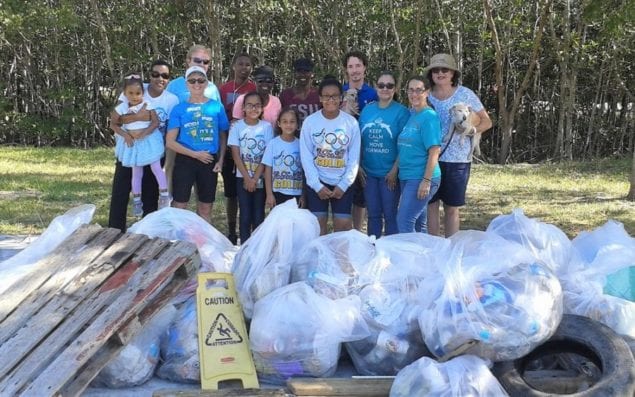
x: 587, y: 338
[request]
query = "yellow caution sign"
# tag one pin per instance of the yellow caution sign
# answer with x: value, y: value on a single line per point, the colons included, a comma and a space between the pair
x: 222, y: 336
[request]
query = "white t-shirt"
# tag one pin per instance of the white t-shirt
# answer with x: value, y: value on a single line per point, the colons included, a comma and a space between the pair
x: 329, y: 150
x: 252, y: 141
x: 162, y: 104
x: 123, y: 108
x: 286, y: 167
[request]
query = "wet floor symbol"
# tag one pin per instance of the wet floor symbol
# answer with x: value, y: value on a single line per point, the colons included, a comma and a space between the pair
x: 222, y: 332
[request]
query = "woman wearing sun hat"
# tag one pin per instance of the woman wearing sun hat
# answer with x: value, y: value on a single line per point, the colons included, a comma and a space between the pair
x: 455, y: 161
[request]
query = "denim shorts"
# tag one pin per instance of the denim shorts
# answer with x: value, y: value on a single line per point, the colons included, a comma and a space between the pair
x: 454, y: 178
x: 187, y: 172
x: 341, y: 208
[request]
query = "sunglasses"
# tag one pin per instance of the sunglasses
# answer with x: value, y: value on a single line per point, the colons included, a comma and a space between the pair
x: 388, y: 86
x: 200, y: 60
x: 440, y: 70
x: 265, y: 80
x: 156, y: 75
x: 196, y: 81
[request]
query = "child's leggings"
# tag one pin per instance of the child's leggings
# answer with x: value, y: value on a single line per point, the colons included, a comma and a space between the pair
x: 137, y: 175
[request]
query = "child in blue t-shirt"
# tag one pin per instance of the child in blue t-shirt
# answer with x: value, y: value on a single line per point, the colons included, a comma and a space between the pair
x: 283, y: 168
x: 248, y: 138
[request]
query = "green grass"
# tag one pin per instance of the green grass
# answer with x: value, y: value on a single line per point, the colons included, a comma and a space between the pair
x: 38, y: 184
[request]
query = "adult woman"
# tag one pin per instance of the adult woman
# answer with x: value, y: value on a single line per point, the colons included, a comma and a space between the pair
x: 263, y: 76
x: 201, y: 56
x: 380, y: 124
x: 443, y: 75
x: 329, y: 151
x: 418, y: 145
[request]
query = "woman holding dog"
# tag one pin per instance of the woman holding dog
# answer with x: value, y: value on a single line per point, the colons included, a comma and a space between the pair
x: 455, y: 160
x: 380, y: 124
x: 419, y: 144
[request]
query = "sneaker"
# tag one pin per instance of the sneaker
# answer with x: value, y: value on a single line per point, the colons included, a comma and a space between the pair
x: 164, y: 201
x: 137, y: 209
x: 233, y: 238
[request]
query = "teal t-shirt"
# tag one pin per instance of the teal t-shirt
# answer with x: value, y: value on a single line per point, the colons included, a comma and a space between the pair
x: 199, y: 124
x: 380, y: 129
x: 422, y: 131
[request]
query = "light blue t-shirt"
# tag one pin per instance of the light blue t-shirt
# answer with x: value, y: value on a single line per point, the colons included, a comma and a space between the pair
x: 380, y: 129
x: 422, y: 131
x: 199, y: 125
x: 178, y: 87
x: 251, y: 141
x: 286, y: 167
x: 455, y: 153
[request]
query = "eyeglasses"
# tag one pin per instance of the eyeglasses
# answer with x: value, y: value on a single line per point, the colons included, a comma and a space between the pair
x: 388, y: 86
x: 332, y: 98
x: 200, y: 60
x: 156, y: 75
x: 196, y: 81
x: 253, y: 106
x: 132, y: 76
x: 417, y: 91
x: 439, y: 70
x: 264, y: 81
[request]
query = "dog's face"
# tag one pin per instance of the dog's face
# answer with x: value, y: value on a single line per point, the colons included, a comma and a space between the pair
x: 351, y: 95
x: 459, y: 113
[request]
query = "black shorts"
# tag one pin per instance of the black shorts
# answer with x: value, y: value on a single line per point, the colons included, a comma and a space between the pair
x: 187, y: 172
x: 229, y: 176
x: 359, y: 199
x: 454, y: 178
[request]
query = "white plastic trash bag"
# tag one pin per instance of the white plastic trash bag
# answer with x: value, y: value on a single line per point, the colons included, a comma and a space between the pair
x: 494, y: 293
x: 57, y: 231
x: 296, y: 332
x: 333, y: 264
x: 546, y: 242
x: 463, y: 376
x: 135, y: 364
x: 263, y: 263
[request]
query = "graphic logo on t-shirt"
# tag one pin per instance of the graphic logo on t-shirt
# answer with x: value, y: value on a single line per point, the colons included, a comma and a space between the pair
x: 251, y: 150
x: 374, y: 135
x: 331, y: 148
x: 287, y: 171
x: 162, y: 115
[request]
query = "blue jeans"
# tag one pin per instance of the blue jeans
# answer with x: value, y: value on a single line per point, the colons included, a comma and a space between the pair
x: 381, y: 204
x: 252, y: 209
x: 411, y: 208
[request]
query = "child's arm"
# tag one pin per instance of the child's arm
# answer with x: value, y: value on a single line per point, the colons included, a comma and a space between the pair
x: 271, y: 200
x: 154, y: 124
x: 115, y: 125
x: 259, y: 171
x: 248, y: 182
x: 218, y: 167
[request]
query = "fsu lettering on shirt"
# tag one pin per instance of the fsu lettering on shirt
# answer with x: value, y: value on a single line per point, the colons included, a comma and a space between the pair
x: 304, y: 106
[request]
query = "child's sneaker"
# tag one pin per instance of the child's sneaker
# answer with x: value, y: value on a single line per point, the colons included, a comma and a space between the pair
x: 164, y: 201
x: 137, y: 208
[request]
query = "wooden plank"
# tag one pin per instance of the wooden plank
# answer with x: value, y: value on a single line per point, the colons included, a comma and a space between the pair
x: 142, y: 284
x: 123, y: 336
x: 67, y: 331
x: 51, y: 313
x: 350, y: 387
x: 223, y: 393
x: 57, y: 259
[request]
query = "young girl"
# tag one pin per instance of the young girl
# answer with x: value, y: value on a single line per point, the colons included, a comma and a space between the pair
x: 139, y: 143
x: 283, y: 169
x: 248, y: 138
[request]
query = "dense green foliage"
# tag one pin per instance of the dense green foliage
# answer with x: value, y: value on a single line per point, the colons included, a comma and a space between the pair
x: 62, y: 60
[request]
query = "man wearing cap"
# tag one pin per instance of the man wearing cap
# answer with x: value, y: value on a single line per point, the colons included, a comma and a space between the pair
x: 197, y: 132
x: 200, y: 56
x: 355, y: 64
x: 455, y: 161
x: 302, y: 96
x: 263, y: 76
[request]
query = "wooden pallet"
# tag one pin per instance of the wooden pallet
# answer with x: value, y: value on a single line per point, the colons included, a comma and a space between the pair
x: 63, y: 322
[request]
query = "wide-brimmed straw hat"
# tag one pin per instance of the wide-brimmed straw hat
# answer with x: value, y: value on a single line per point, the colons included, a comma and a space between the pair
x: 442, y: 61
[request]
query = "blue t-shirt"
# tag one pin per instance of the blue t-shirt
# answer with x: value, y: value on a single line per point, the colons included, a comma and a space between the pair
x: 199, y: 125
x: 286, y: 167
x: 380, y: 129
x: 365, y: 95
x: 455, y: 153
x: 179, y: 88
x: 422, y: 131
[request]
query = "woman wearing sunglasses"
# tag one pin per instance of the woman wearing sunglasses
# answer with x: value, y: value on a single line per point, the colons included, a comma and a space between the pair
x: 380, y: 124
x: 201, y: 56
x: 455, y: 161
x: 271, y: 106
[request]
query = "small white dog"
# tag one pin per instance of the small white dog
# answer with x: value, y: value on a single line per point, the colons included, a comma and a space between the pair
x: 462, y: 124
x: 350, y: 104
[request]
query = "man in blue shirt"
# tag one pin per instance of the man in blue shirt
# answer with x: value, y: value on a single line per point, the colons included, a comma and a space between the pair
x: 355, y: 64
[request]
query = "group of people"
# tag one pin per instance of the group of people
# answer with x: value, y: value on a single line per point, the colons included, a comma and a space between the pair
x: 396, y: 161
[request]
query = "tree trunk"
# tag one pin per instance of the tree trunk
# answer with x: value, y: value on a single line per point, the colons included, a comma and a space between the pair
x: 631, y: 192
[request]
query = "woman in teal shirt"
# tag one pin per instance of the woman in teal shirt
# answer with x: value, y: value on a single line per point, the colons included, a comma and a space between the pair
x: 418, y: 145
